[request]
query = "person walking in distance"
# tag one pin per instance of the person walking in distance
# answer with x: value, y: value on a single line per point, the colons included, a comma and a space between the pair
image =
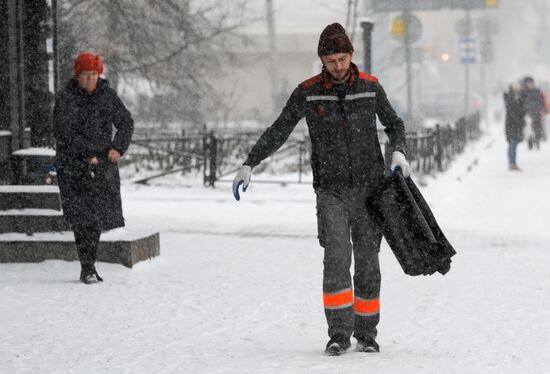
x: 87, y: 155
x: 340, y: 106
x: 514, y: 123
x: 533, y: 100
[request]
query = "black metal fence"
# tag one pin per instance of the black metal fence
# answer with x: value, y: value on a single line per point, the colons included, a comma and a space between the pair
x: 219, y: 154
x: 166, y: 153
x: 433, y: 149
x: 214, y: 154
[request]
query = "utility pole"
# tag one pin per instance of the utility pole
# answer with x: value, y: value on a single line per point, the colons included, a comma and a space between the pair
x: 484, y: 92
x: 367, y: 26
x: 467, y: 66
x: 407, y: 50
x: 273, y: 57
x: 486, y: 27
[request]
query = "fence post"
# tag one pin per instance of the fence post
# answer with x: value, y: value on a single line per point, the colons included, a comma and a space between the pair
x: 206, y: 154
x: 213, y: 151
x: 424, y: 152
x: 438, y: 148
x: 460, y: 134
x: 182, y: 147
x: 430, y: 139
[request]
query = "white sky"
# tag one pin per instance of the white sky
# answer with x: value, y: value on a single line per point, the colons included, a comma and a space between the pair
x: 300, y: 15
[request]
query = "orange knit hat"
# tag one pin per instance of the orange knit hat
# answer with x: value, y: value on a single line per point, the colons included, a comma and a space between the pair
x: 88, y: 62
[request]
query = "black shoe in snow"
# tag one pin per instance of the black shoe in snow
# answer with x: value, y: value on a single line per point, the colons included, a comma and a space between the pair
x: 337, y: 345
x: 367, y: 345
x: 89, y: 275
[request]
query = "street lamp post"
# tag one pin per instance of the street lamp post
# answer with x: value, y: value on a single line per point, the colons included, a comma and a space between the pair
x: 367, y: 26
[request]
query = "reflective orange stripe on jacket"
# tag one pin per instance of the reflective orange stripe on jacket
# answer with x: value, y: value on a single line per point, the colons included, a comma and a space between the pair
x: 365, y: 307
x: 338, y: 300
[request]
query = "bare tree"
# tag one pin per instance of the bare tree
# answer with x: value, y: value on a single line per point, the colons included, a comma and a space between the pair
x: 166, y: 47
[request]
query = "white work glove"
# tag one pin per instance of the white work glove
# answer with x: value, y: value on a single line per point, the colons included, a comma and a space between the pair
x: 398, y: 160
x: 242, y: 177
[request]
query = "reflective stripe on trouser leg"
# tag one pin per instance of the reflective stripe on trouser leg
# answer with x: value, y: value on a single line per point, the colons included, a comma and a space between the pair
x: 338, y: 300
x: 366, y: 236
x: 366, y: 308
x: 334, y: 237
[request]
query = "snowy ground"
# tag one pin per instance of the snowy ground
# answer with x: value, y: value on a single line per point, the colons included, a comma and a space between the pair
x: 237, y: 288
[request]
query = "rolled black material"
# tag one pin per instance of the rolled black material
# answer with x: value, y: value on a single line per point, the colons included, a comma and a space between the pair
x: 410, y: 228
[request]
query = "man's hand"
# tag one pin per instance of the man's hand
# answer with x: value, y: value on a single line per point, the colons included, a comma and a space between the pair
x: 93, y: 161
x: 114, y: 156
x: 398, y: 160
x: 242, y: 177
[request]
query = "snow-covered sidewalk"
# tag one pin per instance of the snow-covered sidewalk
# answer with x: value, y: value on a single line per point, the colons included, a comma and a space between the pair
x: 237, y: 288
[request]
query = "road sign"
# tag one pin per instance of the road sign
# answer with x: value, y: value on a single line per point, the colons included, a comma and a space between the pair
x: 403, y: 25
x: 412, y: 5
x: 398, y: 28
x: 467, y: 51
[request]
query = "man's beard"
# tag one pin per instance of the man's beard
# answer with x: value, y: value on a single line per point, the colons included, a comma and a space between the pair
x: 340, y: 75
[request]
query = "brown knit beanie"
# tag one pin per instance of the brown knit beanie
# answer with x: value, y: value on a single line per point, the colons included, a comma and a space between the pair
x: 333, y: 39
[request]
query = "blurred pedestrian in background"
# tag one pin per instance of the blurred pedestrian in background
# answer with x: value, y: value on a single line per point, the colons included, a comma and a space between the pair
x: 515, y: 121
x: 535, y: 108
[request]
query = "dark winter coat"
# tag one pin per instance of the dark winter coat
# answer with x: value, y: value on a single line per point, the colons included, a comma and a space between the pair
x: 83, y: 128
x: 515, y: 117
x: 534, y: 103
x: 341, y: 119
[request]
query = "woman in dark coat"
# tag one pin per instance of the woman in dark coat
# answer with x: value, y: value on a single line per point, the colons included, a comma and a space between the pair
x: 87, y: 154
x: 515, y: 122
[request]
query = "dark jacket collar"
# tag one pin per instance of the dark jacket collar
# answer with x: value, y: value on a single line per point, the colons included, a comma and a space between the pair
x: 73, y: 88
x: 327, y: 82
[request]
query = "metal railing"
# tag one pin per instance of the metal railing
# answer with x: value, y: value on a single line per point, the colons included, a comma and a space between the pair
x: 218, y: 155
x: 433, y: 149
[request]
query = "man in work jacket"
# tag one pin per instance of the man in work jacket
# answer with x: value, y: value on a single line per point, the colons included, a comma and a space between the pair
x: 340, y: 106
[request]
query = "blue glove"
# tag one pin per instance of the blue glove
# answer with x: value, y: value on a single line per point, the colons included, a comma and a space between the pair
x: 242, y: 178
x: 398, y: 160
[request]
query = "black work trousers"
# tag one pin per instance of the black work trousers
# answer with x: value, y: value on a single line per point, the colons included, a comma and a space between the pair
x: 346, y: 228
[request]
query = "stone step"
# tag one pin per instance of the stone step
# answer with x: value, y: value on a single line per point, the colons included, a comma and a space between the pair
x: 29, y: 197
x: 119, y: 246
x: 32, y: 221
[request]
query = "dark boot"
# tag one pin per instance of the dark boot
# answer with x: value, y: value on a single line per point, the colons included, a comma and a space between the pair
x: 337, y: 345
x: 89, y: 275
x: 87, y: 240
x: 367, y: 345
